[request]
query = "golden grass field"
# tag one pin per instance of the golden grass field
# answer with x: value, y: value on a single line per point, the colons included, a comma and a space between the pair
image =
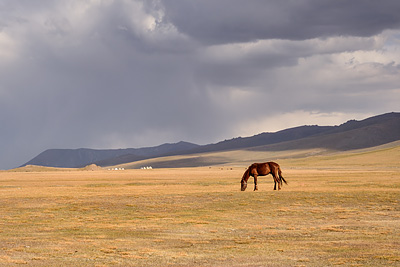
x: 339, y: 209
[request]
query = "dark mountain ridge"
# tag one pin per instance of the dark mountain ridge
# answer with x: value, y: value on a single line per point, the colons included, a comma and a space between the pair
x: 353, y: 134
x: 77, y: 158
x: 263, y: 139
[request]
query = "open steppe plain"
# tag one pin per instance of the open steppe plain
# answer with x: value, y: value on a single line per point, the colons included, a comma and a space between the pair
x: 341, y: 209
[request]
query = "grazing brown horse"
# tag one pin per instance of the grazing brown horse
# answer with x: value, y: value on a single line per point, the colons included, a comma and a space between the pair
x: 262, y: 169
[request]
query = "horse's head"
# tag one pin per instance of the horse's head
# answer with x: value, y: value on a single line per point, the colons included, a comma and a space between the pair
x: 244, y: 185
x: 245, y: 177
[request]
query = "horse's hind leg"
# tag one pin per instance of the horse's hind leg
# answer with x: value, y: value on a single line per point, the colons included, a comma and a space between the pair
x: 276, y: 181
x: 280, y: 180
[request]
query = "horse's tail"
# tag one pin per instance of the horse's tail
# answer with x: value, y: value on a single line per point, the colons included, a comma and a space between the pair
x: 280, y: 175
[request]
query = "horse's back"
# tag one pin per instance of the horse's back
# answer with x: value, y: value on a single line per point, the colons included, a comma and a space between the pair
x: 263, y: 168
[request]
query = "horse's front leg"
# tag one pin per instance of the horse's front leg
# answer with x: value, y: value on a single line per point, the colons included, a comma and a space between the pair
x: 255, y: 183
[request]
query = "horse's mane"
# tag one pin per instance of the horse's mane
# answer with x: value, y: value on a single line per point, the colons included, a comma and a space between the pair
x: 246, y: 174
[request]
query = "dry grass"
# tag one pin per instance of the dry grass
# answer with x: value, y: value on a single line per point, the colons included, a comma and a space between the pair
x: 199, y: 217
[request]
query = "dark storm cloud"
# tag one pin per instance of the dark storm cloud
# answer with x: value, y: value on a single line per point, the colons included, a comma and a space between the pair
x: 227, y: 21
x: 110, y: 74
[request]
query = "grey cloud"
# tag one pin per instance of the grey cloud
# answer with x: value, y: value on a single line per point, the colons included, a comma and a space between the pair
x: 227, y: 21
x: 109, y: 74
x: 245, y: 64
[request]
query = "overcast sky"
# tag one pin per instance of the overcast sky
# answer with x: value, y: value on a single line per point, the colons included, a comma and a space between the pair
x: 131, y: 73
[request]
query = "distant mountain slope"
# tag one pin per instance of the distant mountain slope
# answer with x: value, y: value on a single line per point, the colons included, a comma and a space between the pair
x: 264, y: 139
x: 353, y: 134
x: 76, y: 158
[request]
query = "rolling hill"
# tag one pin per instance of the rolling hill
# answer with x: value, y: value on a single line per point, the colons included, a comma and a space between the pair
x: 371, y: 132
